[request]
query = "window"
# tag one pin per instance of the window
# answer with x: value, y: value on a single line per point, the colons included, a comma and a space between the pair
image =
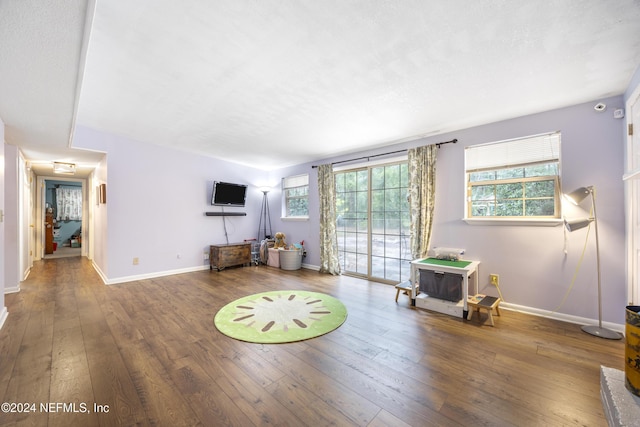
x: 518, y: 178
x: 295, y: 190
x: 68, y: 203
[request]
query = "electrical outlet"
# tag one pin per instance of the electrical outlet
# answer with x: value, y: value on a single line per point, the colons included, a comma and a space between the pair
x: 206, y: 256
x: 494, y: 279
x: 136, y: 261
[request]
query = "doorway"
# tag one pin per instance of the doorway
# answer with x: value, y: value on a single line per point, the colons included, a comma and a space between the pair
x: 632, y: 195
x: 373, y: 222
x: 63, y: 217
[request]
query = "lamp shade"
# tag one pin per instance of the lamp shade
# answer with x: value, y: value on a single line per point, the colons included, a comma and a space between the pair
x: 578, y: 195
x: 577, y: 224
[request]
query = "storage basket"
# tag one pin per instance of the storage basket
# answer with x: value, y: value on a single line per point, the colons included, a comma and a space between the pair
x: 446, y: 286
x: 290, y: 259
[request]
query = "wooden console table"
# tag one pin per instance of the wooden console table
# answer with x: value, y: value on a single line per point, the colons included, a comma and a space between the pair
x: 221, y: 256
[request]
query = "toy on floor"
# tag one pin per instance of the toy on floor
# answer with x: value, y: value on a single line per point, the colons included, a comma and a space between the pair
x: 280, y: 243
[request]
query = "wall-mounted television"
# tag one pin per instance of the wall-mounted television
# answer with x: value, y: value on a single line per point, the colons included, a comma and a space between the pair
x: 228, y: 194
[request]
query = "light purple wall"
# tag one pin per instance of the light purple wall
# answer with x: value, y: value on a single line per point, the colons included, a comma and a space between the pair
x: 633, y: 84
x: 12, y: 274
x: 534, y: 270
x: 156, y: 203
x: 297, y: 231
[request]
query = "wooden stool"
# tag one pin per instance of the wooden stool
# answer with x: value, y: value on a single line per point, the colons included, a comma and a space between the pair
x: 479, y: 301
x: 404, y: 286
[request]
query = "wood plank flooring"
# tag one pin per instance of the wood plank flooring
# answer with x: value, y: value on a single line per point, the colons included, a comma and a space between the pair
x: 147, y: 353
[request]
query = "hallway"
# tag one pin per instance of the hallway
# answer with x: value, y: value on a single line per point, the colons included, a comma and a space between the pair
x: 64, y: 252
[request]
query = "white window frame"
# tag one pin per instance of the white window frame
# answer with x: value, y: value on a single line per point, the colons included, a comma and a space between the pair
x: 512, y: 153
x: 291, y: 182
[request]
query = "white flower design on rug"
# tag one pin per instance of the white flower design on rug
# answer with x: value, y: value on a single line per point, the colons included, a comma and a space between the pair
x: 280, y: 316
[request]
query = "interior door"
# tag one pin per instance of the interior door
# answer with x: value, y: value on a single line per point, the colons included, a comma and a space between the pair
x: 3, y: 310
x: 634, y: 113
x: 632, y: 190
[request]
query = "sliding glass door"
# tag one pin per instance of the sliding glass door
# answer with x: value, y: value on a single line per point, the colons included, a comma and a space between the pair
x: 373, y: 222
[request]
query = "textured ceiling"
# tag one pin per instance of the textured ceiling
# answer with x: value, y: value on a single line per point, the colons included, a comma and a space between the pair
x: 273, y: 83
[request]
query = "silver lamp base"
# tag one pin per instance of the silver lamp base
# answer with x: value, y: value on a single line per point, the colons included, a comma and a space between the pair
x: 602, y: 332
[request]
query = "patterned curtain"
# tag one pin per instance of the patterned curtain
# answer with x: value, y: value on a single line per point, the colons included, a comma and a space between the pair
x: 422, y: 195
x: 69, y: 204
x: 329, y: 260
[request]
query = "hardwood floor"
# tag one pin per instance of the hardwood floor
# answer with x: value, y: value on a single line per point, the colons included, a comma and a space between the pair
x: 148, y: 353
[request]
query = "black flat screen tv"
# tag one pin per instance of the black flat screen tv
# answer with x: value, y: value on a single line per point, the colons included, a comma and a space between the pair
x: 228, y: 194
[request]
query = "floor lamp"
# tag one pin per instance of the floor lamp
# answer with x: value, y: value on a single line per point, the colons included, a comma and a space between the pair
x: 264, y: 217
x: 576, y: 197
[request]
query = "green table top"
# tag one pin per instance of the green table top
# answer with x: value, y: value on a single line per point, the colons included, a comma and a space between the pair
x: 445, y: 262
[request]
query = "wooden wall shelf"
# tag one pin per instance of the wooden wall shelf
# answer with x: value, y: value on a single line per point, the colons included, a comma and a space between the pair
x: 225, y: 213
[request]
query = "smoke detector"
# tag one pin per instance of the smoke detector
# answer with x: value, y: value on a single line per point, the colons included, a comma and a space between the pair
x: 600, y: 107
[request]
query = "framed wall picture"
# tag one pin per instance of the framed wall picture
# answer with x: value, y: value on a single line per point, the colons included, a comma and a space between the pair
x: 103, y: 193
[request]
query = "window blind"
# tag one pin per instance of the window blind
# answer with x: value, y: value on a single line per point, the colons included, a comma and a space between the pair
x: 295, y: 181
x: 542, y: 148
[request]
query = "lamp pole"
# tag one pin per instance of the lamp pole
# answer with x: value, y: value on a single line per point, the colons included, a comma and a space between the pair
x: 264, y: 216
x: 599, y: 331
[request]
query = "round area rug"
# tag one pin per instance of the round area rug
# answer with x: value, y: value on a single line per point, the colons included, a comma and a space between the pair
x: 280, y: 316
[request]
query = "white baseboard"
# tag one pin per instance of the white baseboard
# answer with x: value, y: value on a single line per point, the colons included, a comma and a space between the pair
x: 156, y: 274
x: 153, y: 275
x: 12, y: 290
x: 99, y: 271
x: 3, y: 316
x: 561, y: 316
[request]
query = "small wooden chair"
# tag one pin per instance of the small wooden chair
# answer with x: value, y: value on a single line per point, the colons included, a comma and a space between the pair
x: 404, y: 286
x: 479, y: 301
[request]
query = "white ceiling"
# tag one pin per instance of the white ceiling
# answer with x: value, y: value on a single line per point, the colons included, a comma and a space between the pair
x: 280, y: 82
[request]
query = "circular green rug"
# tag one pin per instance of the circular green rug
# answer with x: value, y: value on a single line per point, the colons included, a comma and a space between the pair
x: 280, y: 316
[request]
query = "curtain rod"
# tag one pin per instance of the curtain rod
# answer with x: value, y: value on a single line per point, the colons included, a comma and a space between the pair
x: 437, y: 144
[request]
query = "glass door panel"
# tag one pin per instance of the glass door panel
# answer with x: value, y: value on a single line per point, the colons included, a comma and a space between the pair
x: 373, y: 222
x: 352, y: 222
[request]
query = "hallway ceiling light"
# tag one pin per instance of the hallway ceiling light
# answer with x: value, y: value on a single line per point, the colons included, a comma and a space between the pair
x: 64, y: 168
